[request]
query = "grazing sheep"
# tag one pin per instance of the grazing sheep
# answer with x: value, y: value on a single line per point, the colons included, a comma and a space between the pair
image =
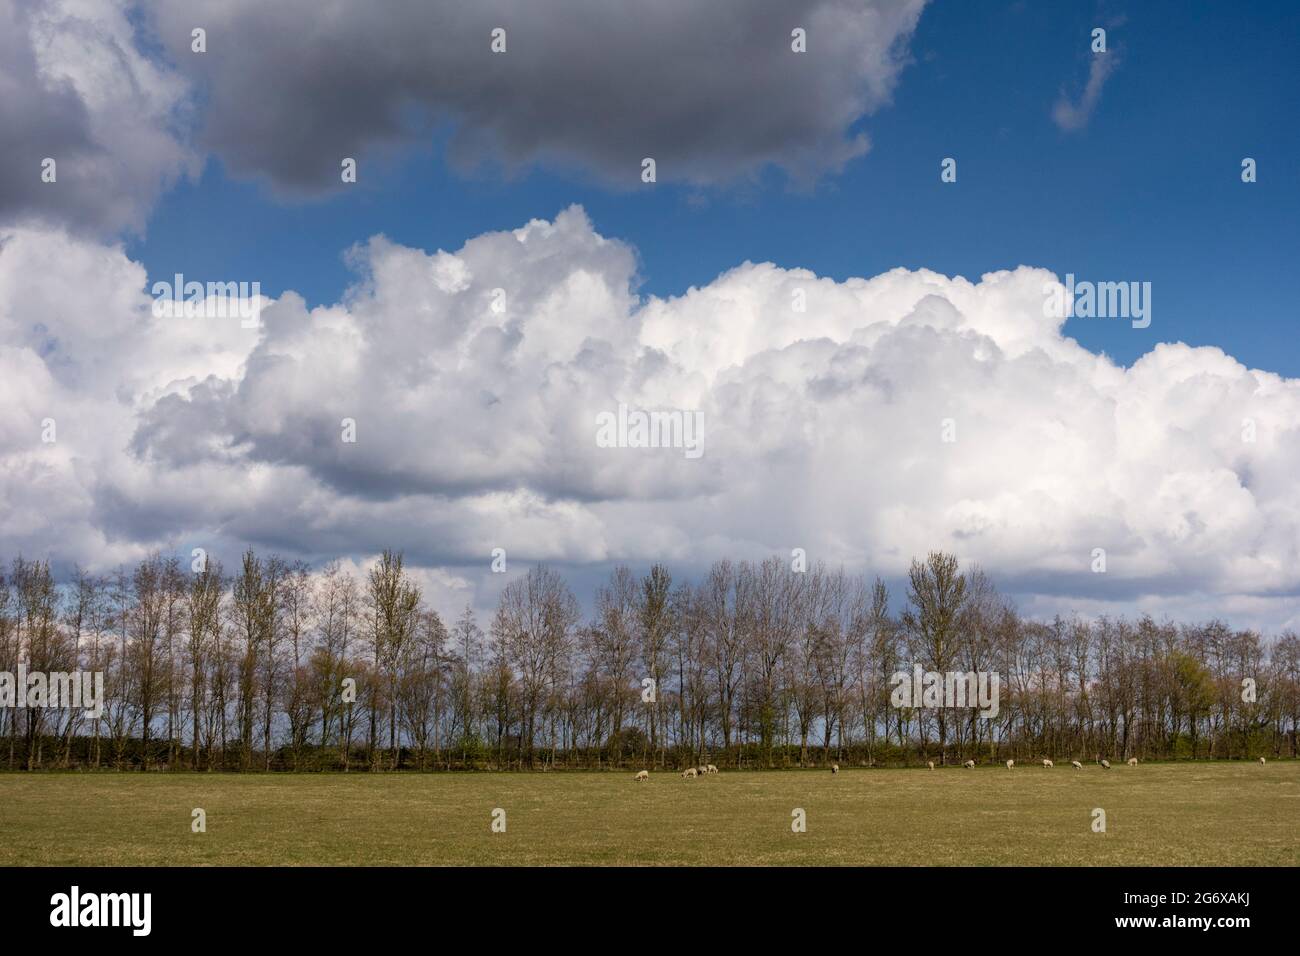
x: 702, y: 770
x: 1048, y: 763
x: 930, y: 764
x: 1105, y: 764
x: 643, y: 775
x: 835, y: 768
x: 1011, y: 764
x: 710, y: 769
x: 1132, y: 761
x: 1261, y: 759
x: 690, y: 773
x: 969, y: 765
x: 1076, y: 765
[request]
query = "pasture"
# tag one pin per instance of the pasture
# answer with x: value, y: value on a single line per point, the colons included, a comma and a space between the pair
x: 1156, y: 814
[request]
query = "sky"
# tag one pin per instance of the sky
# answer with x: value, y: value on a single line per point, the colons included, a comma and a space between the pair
x: 920, y: 398
x: 1149, y: 187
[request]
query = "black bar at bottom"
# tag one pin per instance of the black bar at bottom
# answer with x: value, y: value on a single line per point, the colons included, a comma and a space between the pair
x: 338, y: 905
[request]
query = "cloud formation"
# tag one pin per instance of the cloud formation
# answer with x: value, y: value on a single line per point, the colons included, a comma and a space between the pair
x: 117, y: 96
x: 476, y: 416
x: 712, y: 90
x: 1072, y: 115
x: 76, y: 87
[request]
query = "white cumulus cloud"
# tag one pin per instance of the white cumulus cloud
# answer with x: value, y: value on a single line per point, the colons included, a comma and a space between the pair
x: 476, y: 425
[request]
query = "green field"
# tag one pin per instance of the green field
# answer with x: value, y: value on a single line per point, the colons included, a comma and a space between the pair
x: 1156, y: 814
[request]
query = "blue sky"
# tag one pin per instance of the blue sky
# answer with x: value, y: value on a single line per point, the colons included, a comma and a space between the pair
x: 1148, y: 190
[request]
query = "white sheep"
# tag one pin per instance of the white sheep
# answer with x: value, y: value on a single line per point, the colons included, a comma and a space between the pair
x: 1105, y: 764
x: 1076, y: 765
x: 710, y: 769
x: 930, y: 764
x: 969, y: 765
x: 1132, y: 761
x: 701, y: 770
x: 1261, y: 759
x: 690, y: 773
x: 643, y: 775
x: 1048, y: 763
x: 1011, y: 764
x: 835, y: 768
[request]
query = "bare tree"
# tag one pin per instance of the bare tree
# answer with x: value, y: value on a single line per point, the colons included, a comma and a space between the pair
x: 203, y: 611
x: 654, y: 613
x: 937, y: 592
x: 721, y: 608
x: 535, y: 622
x: 394, y: 609
x: 297, y: 600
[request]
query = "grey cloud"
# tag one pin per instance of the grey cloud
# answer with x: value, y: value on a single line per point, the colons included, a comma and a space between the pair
x: 711, y: 90
x: 78, y: 90
x: 285, y: 90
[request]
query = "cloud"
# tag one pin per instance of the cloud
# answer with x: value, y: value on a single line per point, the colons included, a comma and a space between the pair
x: 115, y: 94
x: 476, y: 425
x: 1071, y: 116
x: 76, y: 87
x: 711, y: 90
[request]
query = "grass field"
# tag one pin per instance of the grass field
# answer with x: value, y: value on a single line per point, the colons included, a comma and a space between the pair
x: 1156, y: 814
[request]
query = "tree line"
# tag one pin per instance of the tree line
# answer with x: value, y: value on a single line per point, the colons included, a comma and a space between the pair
x: 756, y: 664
